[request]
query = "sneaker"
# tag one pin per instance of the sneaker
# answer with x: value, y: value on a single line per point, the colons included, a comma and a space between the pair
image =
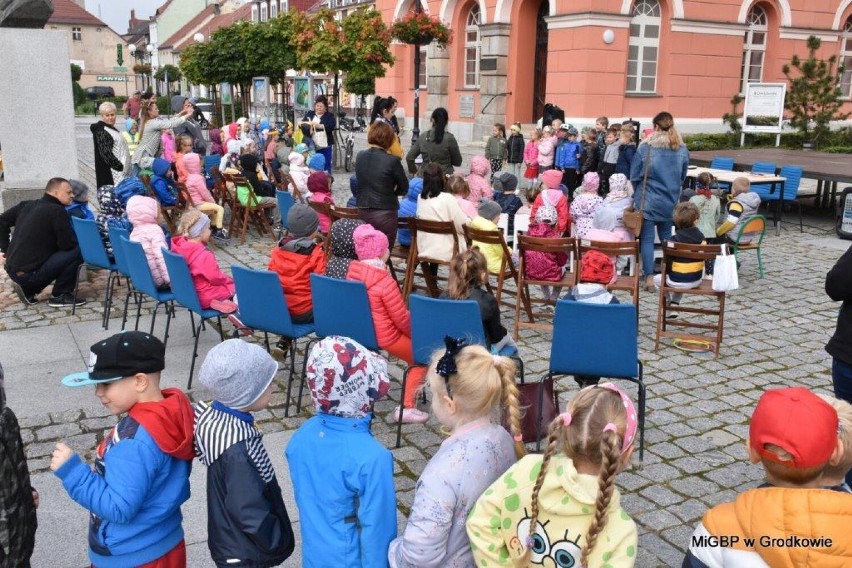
x: 220, y: 235
x: 411, y: 415
x: 224, y: 306
x: 64, y: 300
x: 26, y: 300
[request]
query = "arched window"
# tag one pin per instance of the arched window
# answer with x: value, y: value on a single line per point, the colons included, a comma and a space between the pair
x: 846, y: 59
x: 754, y: 48
x: 285, y: 6
x: 273, y: 9
x: 471, y: 48
x: 264, y: 12
x: 255, y: 13
x: 643, y: 47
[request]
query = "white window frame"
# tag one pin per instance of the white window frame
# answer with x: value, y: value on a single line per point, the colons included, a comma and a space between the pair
x: 285, y: 6
x: 273, y: 9
x: 255, y: 13
x: 264, y: 12
x: 423, y: 72
x: 846, y: 59
x: 472, y: 46
x: 645, y: 28
x: 77, y: 34
x: 754, y: 46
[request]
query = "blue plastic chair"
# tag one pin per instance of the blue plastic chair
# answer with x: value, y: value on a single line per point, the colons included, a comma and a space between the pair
x: 599, y: 340
x: 95, y: 256
x: 211, y: 161
x: 793, y: 175
x: 115, y: 235
x: 285, y: 202
x: 764, y: 168
x: 263, y: 306
x: 143, y: 282
x: 185, y: 294
x: 342, y: 307
x: 722, y: 163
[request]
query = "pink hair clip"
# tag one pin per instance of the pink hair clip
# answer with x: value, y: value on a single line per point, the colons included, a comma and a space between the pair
x: 631, y: 421
x: 496, y: 359
x: 610, y: 427
x: 566, y: 418
x: 519, y: 438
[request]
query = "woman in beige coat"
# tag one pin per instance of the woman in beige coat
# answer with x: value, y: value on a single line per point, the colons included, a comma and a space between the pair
x: 434, y: 204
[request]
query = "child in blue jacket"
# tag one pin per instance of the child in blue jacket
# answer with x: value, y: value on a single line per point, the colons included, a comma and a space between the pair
x: 408, y: 208
x: 162, y: 183
x: 141, y: 473
x: 567, y: 159
x: 80, y: 205
x: 247, y: 522
x: 342, y: 477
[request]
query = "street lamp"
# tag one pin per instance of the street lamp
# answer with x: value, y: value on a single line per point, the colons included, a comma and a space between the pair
x: 199, y: 37
x: 140, y: 56
x: 415, y: 132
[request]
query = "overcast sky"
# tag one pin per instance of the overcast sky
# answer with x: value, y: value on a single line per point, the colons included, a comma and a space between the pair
x: 116, y: 13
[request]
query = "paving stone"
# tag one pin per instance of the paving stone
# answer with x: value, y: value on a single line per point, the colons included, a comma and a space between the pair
x: 57, y: 431
x: 658, y: 519
x: 661, y: 496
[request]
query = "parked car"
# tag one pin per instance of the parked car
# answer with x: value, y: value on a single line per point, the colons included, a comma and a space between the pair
x: 96, y: 93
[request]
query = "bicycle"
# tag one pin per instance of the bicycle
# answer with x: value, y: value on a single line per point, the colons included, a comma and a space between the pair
x: 347, y: 144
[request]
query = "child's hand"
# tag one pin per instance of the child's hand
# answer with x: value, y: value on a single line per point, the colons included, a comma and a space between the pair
x: 61, y: 454
x: 36, y: 500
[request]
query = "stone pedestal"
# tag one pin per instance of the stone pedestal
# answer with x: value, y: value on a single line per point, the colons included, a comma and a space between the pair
x: 492, y: 78
x: 437, y: 79
x: 37, y: 127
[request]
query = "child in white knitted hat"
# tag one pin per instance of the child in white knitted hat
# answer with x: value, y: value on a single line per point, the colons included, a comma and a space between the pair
x: 247, y: 522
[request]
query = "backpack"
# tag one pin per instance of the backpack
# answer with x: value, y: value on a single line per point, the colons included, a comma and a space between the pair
x: 127, y: 188
x: 546, y: 213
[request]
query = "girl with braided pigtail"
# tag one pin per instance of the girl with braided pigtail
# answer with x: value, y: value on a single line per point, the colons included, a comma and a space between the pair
x: 469, y: 386
x: 564, y: 506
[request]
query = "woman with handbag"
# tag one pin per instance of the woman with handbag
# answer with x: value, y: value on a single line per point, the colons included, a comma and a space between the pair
x: 657, y: 172
x: 322, y: 124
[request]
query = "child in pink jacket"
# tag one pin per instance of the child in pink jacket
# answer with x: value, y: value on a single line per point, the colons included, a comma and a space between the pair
x: 142, y: 211
x: 201, y: 197
x: 477, y: 180
x: 586, y: 204
x: 531, y: 158
x: 167, y: 138
x: 546, y: 149
x: 321, y: 193
x: 210, y: 282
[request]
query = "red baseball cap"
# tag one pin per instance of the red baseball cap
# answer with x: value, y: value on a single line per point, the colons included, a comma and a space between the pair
x: 798, y: 421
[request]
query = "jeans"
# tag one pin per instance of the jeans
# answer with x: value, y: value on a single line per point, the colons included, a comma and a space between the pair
x: 646, y: 242
x: 61, y: 266
x: 841, y: 376
x: 327, y: 153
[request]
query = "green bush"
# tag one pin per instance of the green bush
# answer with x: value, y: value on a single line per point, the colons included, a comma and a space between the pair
x: 837, y: 149
x: 79, y: 93
x: 837, y: 140
x: 164, y: 104
x: 87, y: 107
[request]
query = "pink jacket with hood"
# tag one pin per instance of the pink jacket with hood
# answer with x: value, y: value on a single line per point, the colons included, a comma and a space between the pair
x: 210, y: 282
x: 195, y: 182
x: 142, y: 212
x: 299, y: 172
x: 477, y: 179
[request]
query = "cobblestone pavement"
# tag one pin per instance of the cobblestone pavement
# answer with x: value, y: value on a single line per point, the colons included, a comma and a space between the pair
x: 698, y: 406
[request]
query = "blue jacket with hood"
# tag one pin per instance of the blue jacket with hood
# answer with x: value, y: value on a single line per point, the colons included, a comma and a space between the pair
x: 408, y: 208
x: 163, y: 185
x: 666, y: 174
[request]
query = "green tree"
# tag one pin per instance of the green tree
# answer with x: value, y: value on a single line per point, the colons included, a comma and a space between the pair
x: 813, y: 96
x: 76, y: 72
x: 367, y: 39
x: 168, y: 73
x: 78, y: 92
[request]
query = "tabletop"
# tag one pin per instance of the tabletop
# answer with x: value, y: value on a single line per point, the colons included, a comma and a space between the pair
x: 729, y: 176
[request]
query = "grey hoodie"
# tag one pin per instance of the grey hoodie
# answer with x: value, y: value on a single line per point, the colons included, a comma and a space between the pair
x: 750, y: 202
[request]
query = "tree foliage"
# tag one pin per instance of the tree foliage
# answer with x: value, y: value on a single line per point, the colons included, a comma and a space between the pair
x: 813, y: 96
x: 76, y: 72
x: 367, y: 38
x: 170, y: 71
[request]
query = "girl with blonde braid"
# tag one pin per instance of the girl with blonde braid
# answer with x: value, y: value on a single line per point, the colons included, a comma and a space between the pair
x: 469, y: 387
x: 564, y: 506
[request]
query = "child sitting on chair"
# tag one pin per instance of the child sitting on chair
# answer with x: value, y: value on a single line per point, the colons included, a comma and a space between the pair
x: 743, y: 204
x: 212, y: 285
x: 683, y: 273
x: 142, y: 211
x: 320, y: 190
x: 488, y: 214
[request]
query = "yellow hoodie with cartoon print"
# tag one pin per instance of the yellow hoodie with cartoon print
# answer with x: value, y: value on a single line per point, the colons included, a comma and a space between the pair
x: 498, y: 525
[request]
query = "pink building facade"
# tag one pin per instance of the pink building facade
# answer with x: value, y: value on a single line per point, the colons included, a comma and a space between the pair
x: 618, y: 58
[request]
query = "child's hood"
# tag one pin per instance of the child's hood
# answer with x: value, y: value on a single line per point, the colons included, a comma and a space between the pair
x: 216, y: 431
x: 296, y: 159
x: 169, y: 422
x: 192, y: 163
x: 161, y: 167
x: 415, y: 188
x: 749, y: 198
x: 480, y: 166
x: 582, y: 490
x: 586, y: 204
x: 142, y: 210
x: 186, y: 248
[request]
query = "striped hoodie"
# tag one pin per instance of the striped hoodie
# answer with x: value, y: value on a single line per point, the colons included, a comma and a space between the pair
x: 686, y: 270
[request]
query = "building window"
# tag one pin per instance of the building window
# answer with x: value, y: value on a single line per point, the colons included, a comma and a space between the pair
x: 264, y: 12
x: 423, y: 75
x: 273, y: 10
x: 643, y: 47
x: 472, y: 47
x: 255, y: 14
x: 284, y: 6
x: 846, y: 60
x: 76, y: 34
x: 754, y: 48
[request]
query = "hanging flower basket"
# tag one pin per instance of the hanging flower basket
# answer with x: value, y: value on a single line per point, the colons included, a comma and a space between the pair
x: 142, y: 69
x: 419, y: 28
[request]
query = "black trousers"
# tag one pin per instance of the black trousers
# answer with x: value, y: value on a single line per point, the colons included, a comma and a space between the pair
x: 60, y: 267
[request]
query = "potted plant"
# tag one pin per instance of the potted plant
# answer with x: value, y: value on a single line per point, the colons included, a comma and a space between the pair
x: 419, y: 28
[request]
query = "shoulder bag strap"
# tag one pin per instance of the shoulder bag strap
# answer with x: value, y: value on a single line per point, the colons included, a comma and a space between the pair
x: 645, y: 179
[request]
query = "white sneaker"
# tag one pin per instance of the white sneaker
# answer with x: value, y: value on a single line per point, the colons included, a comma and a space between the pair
x: 411, y: 415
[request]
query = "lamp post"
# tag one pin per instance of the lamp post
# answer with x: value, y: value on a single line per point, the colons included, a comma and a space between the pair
x: 415, y: 132
x: 150, y: 49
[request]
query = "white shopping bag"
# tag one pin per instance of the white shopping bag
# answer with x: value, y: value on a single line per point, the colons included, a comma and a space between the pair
x: 725, y: 276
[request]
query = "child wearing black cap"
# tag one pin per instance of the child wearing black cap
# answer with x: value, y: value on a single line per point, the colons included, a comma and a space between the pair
x: 247, y: 522
x: 141, y: 473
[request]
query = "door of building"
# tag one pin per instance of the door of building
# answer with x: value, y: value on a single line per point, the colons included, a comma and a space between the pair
x: 540, y: 80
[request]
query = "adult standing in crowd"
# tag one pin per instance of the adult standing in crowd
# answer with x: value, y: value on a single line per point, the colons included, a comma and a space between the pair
x: 436, y: 145
x: 381, y: 180
x: 151, y: 127
x: 112, y: 158
x: 383, y: 112
x: 323, y: 120
x: 133, y: 106
x: 666, y: 158
x: 838, y: 286
x: 44, y: 248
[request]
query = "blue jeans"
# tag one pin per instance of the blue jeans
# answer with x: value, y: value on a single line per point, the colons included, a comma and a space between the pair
x: 646, y: 242
x: 60, y: 268
x: 841, y: 376
x: 327, y: 153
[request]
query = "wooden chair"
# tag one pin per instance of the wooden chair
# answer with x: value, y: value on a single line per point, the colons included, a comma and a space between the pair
x: 417, y: 227
x: 526, y: 244
x: 399, y: 253
x: 324, y: 209
x: 253, y: 210
x: 170, y: 213
x: 521, y: 225
x: 629, y: 283
x: 507, y: 267
x: 696, y: 253
x: 220, y: 188
x: 755, y: 226
x: 343, y: 213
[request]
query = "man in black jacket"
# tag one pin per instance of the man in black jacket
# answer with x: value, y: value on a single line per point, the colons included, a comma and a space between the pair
x: 44, y: 248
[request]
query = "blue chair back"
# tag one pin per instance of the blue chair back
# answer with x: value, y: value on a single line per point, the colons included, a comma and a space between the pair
x: 285, y: 202
x: 211, y: 161
x: 140, y: 272
x: 115, y: 236
x: 595, y: 339
x: 763, y: 168
x: 91, y: 246
x: 181, y: 280
x: 432, y: 319
x: 722, y: 163
x: 794, y: 179
x: 342, y: 307
x: 262, y: 301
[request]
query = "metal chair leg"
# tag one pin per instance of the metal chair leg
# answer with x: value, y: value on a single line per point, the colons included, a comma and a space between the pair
x: 192, y: 320
x: 194, y: 355
x: 139, y: 312
x: 290, y: 378
x: 221, y: 331
x: 266, y: 340
x: 170, y: 313
x: 304, y: 374
x: 401, y: 407
x: 154, y: 318
x: 126, y: 305
x: 538, y: 418
x: 76, y: 287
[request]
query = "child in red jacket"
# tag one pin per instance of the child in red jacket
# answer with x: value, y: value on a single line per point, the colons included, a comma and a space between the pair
x: 321, y: 193
x: 390, y: 316
x: 210, y: 282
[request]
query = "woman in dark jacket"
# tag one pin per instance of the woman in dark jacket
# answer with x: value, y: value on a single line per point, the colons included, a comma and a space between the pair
x: 437, y: 145
x: 838, y: 286
x: 112, y: 159
x: 381, y: 180
x: 321, y: 119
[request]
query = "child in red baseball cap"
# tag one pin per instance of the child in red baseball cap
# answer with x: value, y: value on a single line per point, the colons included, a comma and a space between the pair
x: 792, y: 519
